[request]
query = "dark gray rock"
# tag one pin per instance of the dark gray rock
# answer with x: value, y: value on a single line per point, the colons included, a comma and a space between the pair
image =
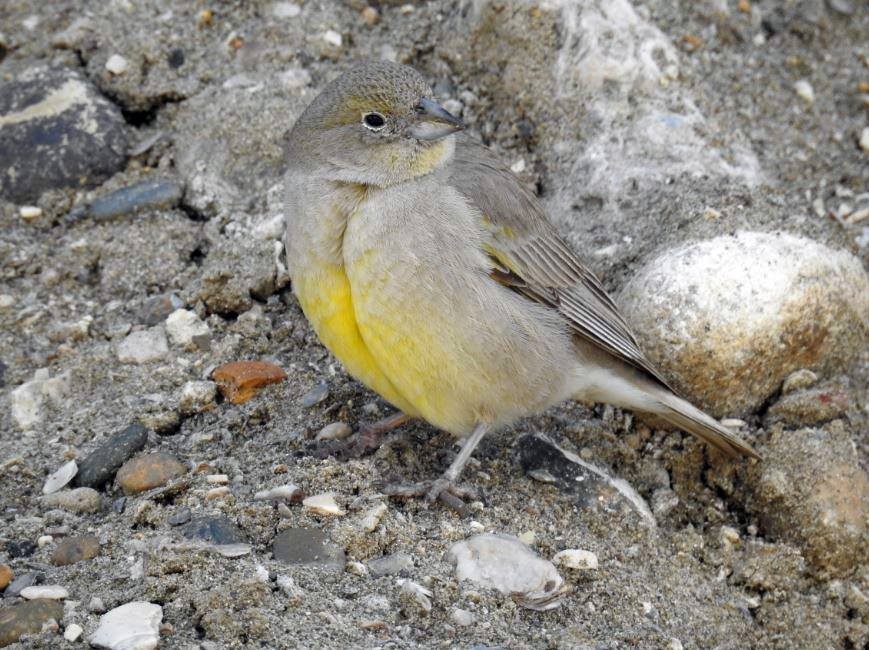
x: 57, y: 131
x: 20, y: 584
x: 307, y: 546
x: 316, y: 395
x: 217, y: 530
x: 103, y: 462
x: 156, y: 309
x: 149, y: 195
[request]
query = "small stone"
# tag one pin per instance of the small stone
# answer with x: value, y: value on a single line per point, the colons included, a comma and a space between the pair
x: 197, y: 397
x: 333, y: 38
x: 371, y: 519
x: 148, y: 472
x: 27, y: 618
x: 805, y: 91
x: 156, y: 309
x: 217, y: 493
x: 134, y: 626
x: 414, y: 598
x: 44, y: 540
x: 356, y: 568
x: 729, y: 535
x: 462, y: 617
x: 323, y: 504
x: 29, y: 212
x: 288, y: 493
x: 308, y: 547
x: 149, y: 195
x: 241, y: 380
x: 73, y: 632
x: 728, y: 319
x: 286, y: 10
x: 370, y: 15
x: 335, y: 431
x: 292, y: 79
x: 48, y: 592
x: 143, y: 346
x: 99, y: 467
x: 183, y: 326
x: 75, y: 549
x: 117, y: 65
x: 316, y: 395
x: 217, y: 479
x: 83, y: 499
x: 60, y: 478
x: 6, y: 576
x: 95, y: 605
x: 216, y: 530
x: 798, y: 380
x: 19, y: 584
x: 864, y: 139
x: 577, y: 559
x: 504, y: 563
x: 390, y: 565
x: 28, y: 400
x: 528, y: 537
x: 182, y: 516
x: 809, y: 407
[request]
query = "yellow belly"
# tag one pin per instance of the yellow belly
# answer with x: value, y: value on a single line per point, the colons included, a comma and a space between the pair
x: 324, y: 294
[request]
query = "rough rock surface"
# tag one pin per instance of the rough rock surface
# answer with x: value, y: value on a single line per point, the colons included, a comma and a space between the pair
x: 644, y: 125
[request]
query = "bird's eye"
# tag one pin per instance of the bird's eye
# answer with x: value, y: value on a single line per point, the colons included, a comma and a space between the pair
x: 373, y: 121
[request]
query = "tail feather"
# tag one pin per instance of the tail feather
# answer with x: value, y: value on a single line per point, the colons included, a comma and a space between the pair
x: 687, y: 417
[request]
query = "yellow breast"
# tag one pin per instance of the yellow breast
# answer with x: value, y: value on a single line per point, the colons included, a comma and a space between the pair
x: 324, y: 294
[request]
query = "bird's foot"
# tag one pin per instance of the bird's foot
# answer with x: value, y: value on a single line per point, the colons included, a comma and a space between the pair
x: 441, y: 489
x: 366, y: 440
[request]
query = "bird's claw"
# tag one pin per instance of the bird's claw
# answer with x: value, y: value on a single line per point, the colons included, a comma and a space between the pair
x: 441, y: 489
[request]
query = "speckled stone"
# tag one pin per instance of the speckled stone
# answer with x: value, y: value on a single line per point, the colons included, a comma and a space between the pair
x: 57, y: 131
x: 149, y: 471
x: 75, y: 549
x: 27, y: 618
x: 99, y: 467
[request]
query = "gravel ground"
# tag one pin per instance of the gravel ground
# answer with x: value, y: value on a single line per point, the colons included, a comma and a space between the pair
x: 188, y: 103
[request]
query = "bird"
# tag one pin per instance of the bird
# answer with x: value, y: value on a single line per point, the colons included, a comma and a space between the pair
x: 434, y: 275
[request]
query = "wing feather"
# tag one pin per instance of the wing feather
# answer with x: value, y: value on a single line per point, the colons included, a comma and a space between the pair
x: 532, y: 258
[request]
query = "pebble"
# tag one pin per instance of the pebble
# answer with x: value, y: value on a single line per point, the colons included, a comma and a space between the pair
x: 59, y: 101
x: 307, y: 546
x: 28, y: 399
x: 356, y: 568
x: 75, y: 549
x: 462, y: 617
x: 27, y: 618
x: 217, y: 493
x: 414, y: 598
x: 83, y: 499
x: 197, y: 397
x: 333, y: 38
x: 117, y: 65
x: 334, y: 431
x: 60, y: 478
x: 588, y: 485
x: 574, y: 558
x: 504, y: 563
x: 143, y: 346
x: 99, y: 467
x: 216, y: 530
x: 6, y: 576
x: 20, y: 583
x: 864, y: 139
x: 372, y: 517
x: 44, y: 540
x: 798, y: 380
x: 183, y: 326
x: 134, y: 626
x: 217, y: 479
x: 316, y: 395
x: 812, y: 491
x: 286, y: 10
x: 805, y: 91
x: 241, y: 380
x: 323, y: 504
x: 73, y: 632
x: 390, y: 565
x: 290, y: 493
x: 728, y: 319
x: 149, y: 195
x: 370, y: 15
x: 156, y: 309
x: 29, y: 212
x: 809, y: 407
x: 294, y: 78
x: 182, y: 516
x: 48, y: 592
x: 149, y: 471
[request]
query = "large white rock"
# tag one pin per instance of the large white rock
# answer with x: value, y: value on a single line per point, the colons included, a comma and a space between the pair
x: 504, y: 563
x: 143, y: 346
x: 134, y: 626
x: 182, y: 325
x: 730, y: 318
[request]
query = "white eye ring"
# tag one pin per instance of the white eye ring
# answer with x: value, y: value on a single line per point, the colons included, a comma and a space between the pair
x: 373, y: 121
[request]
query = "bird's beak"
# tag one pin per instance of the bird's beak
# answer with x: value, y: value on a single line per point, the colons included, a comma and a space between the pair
x: 432, y: 121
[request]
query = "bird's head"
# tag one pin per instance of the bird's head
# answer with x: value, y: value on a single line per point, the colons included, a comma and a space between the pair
x: 376, y: 124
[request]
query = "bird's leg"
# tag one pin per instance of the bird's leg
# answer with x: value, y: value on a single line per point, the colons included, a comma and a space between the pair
x: 366, y: 440
x: 445, y: 488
